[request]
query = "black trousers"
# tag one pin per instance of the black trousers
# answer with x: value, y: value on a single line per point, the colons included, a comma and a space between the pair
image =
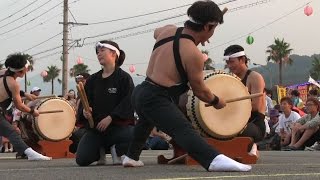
x: 89, y: 146
x: 256, y: 127
x: 7, y: 130
x: 155, y: 108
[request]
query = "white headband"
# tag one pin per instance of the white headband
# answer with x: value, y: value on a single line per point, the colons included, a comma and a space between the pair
x: 195, y: 22
x: 17, y: 70
x: 235, y: 55
x: 109, y: 46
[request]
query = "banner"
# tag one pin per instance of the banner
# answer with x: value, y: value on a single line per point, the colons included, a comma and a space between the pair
x: 303, y: 90
x: 282, y: 92
x: 312, y: 81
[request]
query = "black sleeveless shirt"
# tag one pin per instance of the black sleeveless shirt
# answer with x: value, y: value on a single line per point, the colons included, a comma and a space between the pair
x: 244, y: 80
x: 6, y: 103
x: 176, y: 90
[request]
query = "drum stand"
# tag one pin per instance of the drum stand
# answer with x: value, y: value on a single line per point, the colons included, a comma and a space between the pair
x: 58, y: 149
x: 236, y: 148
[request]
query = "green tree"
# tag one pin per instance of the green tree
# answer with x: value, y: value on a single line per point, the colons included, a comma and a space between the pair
x: 315, y: 70
x: 1, y: 66
x: 209, y: 63
x: 279, y: 52
x: 53, y: 73
x: 30, y: 68
x: 78, y: 68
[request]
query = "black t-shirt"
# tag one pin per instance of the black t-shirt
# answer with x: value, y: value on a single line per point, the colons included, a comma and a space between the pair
x: 111, y: 96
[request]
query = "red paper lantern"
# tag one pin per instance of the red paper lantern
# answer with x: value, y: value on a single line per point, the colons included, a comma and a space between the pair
x: 132, y: 69
x: 308, y: 10
x: 79, y: 60
x: 44, y: 73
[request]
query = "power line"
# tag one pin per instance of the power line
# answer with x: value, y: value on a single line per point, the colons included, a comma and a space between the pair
x: 145, y: 24
x: 18, y: 11
x: 157, y: 21
x: 30, y: 20
x: 42, y: 23
x: 13, y: 3
x: 42, y: 42
x: 141, y: 15
x: 37, y: 8
x: 268, y: 24
x: 146, y: 14
x: 119, y: 37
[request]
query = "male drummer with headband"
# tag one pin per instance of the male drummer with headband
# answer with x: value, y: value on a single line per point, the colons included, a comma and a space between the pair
x: 17, y: 66
x: 237, y: 60
x: 175, y: 62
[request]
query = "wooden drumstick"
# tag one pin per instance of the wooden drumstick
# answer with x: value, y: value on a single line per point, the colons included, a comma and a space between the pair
x: 224, y: 10
x: 240, y: 98
x: 177, y: 159
x: 51, y: 111
x: 84, y: 101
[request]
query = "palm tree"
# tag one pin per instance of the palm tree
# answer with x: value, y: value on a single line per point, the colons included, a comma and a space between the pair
x: 78, y: 68
x: 279, y: 52
x: 209, y: 63
x: 315, y: 70
x: 30, y: 68
x: 53, y: 73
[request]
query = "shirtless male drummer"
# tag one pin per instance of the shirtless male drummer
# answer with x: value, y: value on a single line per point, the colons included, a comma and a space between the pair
x: 174, y: 62
x: 237, y: 60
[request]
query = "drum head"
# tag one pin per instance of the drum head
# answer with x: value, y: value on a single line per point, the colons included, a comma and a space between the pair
x: 226, y: 122
x: 55, y: 126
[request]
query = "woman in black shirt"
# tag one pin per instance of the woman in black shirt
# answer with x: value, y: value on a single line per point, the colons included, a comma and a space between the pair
x: 109, y: 94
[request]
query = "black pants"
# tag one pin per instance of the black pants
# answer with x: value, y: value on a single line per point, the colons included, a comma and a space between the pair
x: 256, y: 127
x: 156, y: 108
x: 75, y: 138
x: 89, y: 146
x: 7, y: 130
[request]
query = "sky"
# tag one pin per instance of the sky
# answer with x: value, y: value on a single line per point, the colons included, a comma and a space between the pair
x: 35, y: 29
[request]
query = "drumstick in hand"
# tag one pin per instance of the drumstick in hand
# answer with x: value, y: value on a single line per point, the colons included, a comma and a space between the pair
x: 240, y: 98
x: 51, y: 111
x: 84, y: 101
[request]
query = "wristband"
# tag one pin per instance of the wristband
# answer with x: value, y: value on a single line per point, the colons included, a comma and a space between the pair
x: 22, y: 93
x: 31, y: 110
x: 215, y: 100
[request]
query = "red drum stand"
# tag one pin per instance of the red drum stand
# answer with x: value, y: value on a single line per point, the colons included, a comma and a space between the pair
x: 236, y: 148
x: 56, y: 150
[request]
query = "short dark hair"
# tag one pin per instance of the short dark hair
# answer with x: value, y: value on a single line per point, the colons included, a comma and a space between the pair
x: 203, y: 12
x: 315, y: 101
x: 286, y: 99
x: 122, y: 56
x: 295, y: 92
x: 234, y: 49
x: 16, y: 61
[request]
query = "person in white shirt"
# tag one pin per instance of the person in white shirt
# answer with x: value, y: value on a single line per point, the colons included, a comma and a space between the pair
x: 286, y: 119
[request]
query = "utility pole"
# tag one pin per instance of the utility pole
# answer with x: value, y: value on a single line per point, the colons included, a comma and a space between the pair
x: 65, y: 49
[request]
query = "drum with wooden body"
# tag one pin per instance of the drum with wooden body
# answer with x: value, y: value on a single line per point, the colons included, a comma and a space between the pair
x: 50, y: 126
x: 224, y: 123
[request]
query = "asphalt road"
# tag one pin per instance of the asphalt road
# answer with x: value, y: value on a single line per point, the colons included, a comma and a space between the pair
x: 287, y: 165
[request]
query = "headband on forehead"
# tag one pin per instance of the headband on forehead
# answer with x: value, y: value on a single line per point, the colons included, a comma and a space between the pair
x: 196, y: 22
x: 79, y: 76
x: 17, y: 70
x: 109, y: 46
x: 235, y: 55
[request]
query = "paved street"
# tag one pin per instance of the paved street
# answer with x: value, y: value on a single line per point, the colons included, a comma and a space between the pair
x: 272, y: 165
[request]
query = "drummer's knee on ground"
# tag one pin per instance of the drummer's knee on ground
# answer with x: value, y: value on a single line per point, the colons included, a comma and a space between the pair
x: 81, y: 161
